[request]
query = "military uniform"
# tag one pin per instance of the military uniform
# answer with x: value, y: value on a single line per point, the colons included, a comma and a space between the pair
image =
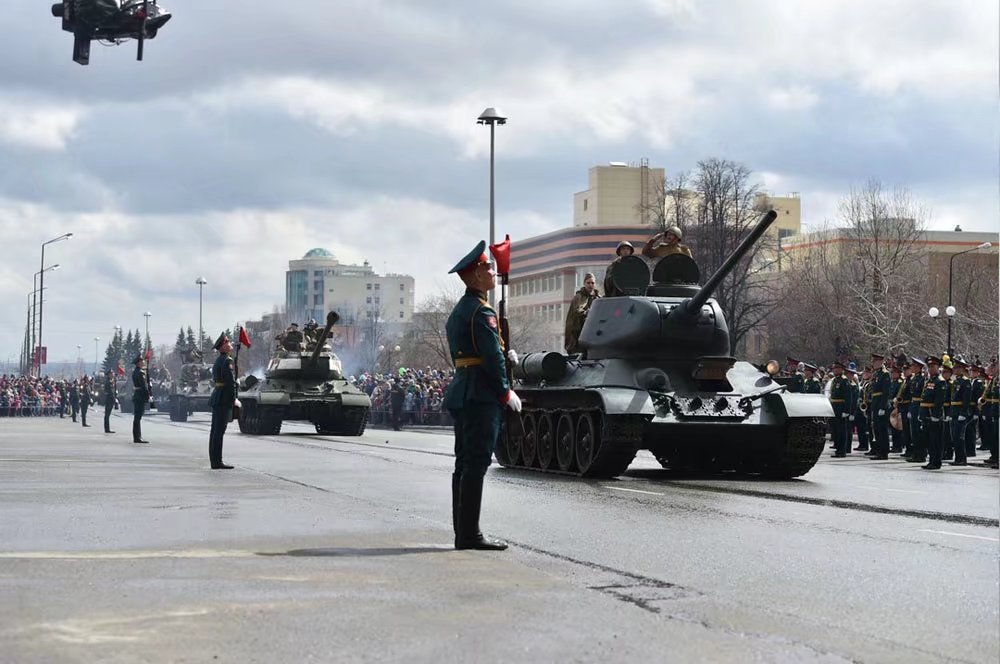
x: 110, y: 399
x: 958, y: 413
x: 74, y: 399
x: 917, y: 451
x: 812, y: 384
x: 899, y: 403
x: 475, y: 399
x: 840, y: 398
x: 86, y: 398
x: 222, y: 400
x: 991, y: 413
x: 610, y: 289
x: 861, y: 413
x: 973, y: 429
x: 140, y: 397
x: 576, y: 316
x: 932, y: 413
x: 878, y: 411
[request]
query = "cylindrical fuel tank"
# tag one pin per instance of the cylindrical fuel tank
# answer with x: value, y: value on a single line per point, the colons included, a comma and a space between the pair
x: 535, y: 367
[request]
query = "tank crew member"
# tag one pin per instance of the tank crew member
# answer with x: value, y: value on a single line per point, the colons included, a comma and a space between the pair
x: 624, y: 249
x: 311, y: 332
x: 86, y: 398
x: 293, y: 338
x: 840, y: 397
x: 476, y: 396
x: 810, y: 383
x: 110, y: 398
x: 577, y: 312
x: 973, y: 429
x: 671, y: 244
x: 141, y: 394
x: 895, y: 394
x: 74, y: 399
x: 878, y: 407
x: 917, y: 452
x: 222, y: 400
x: 960, y: 409
x: 932, y: 405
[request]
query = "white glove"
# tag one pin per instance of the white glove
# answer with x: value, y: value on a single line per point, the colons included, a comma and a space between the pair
x: 512, y: 357
x: 845, y: 415
x: 881, y: 412
x: 851, y: 418
x: 237, y: 404
x: 513, y: 401
x: 961, y: 418
x: 935, y: 419
x: 948, y: 418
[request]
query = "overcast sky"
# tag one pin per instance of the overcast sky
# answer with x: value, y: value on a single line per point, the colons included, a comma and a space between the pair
x: 254, y: 131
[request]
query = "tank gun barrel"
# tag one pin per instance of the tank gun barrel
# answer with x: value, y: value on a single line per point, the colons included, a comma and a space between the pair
x: 694, y: 305
x: 331, y: 320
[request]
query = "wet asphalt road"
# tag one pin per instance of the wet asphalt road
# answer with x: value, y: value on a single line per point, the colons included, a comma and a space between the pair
x: 319, y: 548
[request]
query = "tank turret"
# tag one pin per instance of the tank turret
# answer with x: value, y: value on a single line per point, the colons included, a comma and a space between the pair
x: 304, y: 383
x: 656, y: 373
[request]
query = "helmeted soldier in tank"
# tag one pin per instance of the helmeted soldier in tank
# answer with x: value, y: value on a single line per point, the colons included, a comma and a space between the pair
x: 477, y: 395
x: 623, y: 250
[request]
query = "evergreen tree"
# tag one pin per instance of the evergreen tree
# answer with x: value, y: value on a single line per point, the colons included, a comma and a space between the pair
x: 191, y: 341
x: 206, y: 343
x: 180, y: 346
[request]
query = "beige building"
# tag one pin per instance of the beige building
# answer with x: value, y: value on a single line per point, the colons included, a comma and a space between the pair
x: 318, y: 282
x: 618, y: 194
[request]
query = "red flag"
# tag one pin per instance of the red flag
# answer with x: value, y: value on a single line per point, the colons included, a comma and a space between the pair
x: 501, y: 252
x: 244, y: 337
x: 121, y: 370
x: 149, y: 353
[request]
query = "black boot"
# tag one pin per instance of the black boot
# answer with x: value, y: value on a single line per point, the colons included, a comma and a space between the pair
x: 455, y: 492
x: 470, y: 502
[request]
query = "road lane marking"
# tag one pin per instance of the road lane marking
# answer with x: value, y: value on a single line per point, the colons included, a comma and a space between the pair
x: 650, y: 493
x: 882, y: 488
x: 945, y: 532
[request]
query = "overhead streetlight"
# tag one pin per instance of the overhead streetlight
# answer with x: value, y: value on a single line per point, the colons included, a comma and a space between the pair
x: 149, y: 343
x: 41, y: 267
x: 201, y: 281
x: 492, y: 118
x: 36, y: 356
x: 950, y: 310
x: 96, y: 339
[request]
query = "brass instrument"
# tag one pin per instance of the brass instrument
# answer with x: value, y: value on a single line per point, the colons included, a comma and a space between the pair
x: 863, y: 404
x: 981, y: 401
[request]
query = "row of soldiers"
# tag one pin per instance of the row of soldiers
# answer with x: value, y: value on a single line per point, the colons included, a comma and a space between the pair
x: 930, y: 410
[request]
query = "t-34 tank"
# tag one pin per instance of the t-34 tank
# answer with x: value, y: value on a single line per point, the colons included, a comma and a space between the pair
x: 193, y: 391
x: 303, y: 383
x: 656, y: 373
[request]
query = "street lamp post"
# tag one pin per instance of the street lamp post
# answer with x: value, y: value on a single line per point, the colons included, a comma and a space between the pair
x: 79, y: 358
x: 96, y: 339
x: 41, y: 266
x: 201, y: 281
x: 147, y: 340
x: 492, y: 118
x: 950, y: 310
x: 36, y: 358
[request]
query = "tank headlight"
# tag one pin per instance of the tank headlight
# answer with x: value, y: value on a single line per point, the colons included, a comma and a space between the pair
x: 772, y: 367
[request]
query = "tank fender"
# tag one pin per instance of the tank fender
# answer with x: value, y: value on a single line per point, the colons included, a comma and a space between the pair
x: 623, y: 401
x: 274, y: 399
x: 349, y: 399
x: 780, y: 406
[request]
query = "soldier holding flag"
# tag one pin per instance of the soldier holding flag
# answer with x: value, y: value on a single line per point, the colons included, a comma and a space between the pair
x: 223, y: 399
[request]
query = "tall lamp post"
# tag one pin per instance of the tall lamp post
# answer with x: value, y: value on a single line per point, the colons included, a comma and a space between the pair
x: 96, y: 339
x: 201, y: 281
x: 147, y: 340
x: 36, y: 357
x: 950, y: 310
x: 41, y: 266
x: 492, y: 118
x: 79, y: 358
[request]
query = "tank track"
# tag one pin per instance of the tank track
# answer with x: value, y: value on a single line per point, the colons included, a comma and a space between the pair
x: 619, y: 438
x: 257, y: 420
x: 805, y: 439
x: 178, y: 410
x: 352, y: 423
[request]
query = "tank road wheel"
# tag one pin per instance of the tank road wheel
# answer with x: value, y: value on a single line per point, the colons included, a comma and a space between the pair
x: 246, y: 421
x: 565, y: 442
x: 529, y: 444
x: 804, y: 442
x: 587, y: 441
x: 513, y: 444
x: 545, y: 437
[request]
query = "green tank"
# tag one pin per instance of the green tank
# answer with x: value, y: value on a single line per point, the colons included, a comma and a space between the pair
x: 191, y: 393
x: 304, y: 380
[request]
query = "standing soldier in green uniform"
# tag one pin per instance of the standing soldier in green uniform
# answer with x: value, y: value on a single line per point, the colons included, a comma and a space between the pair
x: 896, y: 394
x: 878, y: 407
x: 624, y: 249
x: 917, y: 452
x: 947, y: 372
x: 991, y: 414
x: 74, y: 398
x: 861, y: 413
x: 932, y: 411
x: 902, y: 405
x: 477, y: 395
x: 960, y: 409
x: 140, y: 397
x: 840, y: 396
x: 110, y: 398
x: 222, y: 400
x: 86, y: 398
x: 811, y: 384
x: 852, y: 402
x: 972, y: 429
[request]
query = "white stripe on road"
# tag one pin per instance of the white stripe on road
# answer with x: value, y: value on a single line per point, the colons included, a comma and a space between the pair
x: 945, y: 532
x: 650, y: 493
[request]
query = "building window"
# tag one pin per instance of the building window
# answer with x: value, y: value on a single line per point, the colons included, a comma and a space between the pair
x: 585, y: 205
x: 377, y: 286
x: 317, y: 285
x: 401, y: 301
x: 401, y: 287
x: 317, y: 273
x: 400, y: 314
x: 368, y: 286
x: 368, y: 300
x: 377, y: 299
x: 318, y: 299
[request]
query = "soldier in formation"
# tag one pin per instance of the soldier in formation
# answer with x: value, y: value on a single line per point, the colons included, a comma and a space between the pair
x: 141, y: 394
x: 878, y: 407
x: 110, y: 398
x: 222, y: 401
x: 840, y: 400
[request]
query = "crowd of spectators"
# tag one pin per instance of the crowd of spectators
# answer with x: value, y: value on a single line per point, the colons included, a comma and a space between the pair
x: 423, y: 395
x: 23, y: 396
